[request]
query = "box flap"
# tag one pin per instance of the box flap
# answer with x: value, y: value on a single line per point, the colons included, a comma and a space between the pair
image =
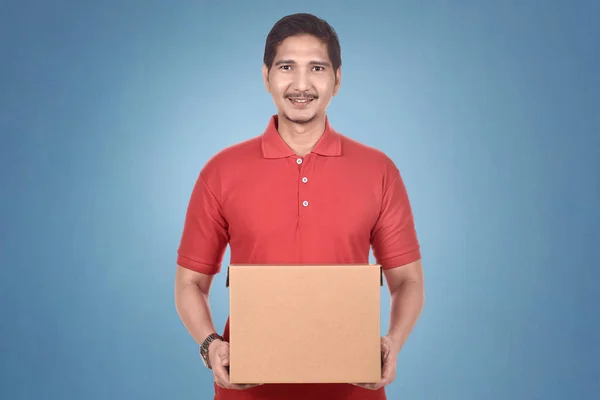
x: 380, y: 273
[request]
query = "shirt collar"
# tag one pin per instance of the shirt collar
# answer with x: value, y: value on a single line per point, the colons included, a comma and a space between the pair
x: 273, y: 146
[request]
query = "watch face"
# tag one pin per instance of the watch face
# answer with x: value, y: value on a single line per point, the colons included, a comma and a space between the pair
x: 204, y: 354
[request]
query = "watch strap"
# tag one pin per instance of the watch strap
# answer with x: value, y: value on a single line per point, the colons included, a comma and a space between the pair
x: 205, y: 345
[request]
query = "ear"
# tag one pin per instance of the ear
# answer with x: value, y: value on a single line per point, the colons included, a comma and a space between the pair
x: 265, y: 75
x: 338, y: 81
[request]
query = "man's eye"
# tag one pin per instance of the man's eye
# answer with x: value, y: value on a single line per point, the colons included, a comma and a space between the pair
x: 286, y: 67
x: 319, y: 68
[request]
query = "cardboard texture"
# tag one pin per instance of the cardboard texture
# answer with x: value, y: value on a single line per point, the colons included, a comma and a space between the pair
x: 305, y: 323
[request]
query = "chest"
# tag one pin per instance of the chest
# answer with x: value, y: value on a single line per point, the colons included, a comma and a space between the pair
x: 321, y: 192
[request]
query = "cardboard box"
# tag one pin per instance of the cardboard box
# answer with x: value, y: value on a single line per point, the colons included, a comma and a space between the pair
x: 305, y: 323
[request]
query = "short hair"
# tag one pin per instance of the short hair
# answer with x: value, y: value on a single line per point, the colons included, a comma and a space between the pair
x: 298, y: 24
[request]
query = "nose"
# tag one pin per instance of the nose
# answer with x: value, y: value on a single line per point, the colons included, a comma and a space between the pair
x: 301, y: 81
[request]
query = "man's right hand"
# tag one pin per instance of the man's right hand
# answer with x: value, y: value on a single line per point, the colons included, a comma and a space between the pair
x: 218, y: 353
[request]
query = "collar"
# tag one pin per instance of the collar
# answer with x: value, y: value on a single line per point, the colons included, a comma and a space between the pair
x: 273, y: 146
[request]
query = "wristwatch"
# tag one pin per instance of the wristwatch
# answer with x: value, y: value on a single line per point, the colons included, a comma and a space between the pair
x: 204, y: 348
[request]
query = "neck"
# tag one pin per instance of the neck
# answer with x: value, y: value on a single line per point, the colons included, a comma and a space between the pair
x: 301, y: 138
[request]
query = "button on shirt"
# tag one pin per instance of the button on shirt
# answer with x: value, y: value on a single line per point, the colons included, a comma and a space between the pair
x: 272, y: 207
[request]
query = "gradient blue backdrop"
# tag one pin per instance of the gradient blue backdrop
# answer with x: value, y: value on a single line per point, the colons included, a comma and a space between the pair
x: 108, y: 110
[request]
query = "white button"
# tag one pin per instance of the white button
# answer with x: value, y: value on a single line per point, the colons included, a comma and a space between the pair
x: 299, y: 161
x: 305, y: 179
x: 305, y: 203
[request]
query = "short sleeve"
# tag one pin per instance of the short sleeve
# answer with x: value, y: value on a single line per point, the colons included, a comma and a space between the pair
x: 205, y: 232
x: 394, y: 238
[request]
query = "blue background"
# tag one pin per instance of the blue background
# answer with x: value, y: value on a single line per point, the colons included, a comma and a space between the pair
x: 108, y: 110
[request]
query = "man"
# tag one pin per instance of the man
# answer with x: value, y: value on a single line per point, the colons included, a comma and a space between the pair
x: 300, y: 193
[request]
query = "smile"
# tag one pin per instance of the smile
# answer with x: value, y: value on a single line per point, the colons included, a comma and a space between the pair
x: 300, y: 102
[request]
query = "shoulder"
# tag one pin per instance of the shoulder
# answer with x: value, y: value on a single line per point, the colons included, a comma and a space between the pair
x: 233, y: 156
x: 230, y: 161
x: 371, y: 158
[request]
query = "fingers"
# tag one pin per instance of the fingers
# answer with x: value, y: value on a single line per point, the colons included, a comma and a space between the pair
x: 249, y: 386
x: 222, y: 379
x: 221, y: 374
x: 223, y: 354
x: 387, y: 374
x: 385, y: 348
x: 369, y: 386
x: 384, y: 345
x: 373, y: 386
x: 387, y: 370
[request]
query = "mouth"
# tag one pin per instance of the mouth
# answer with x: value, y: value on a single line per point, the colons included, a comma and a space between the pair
x: 300, y: 102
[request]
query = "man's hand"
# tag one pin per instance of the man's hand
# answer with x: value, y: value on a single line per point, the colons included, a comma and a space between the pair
x: 388, y: 371
x: 218, y: 353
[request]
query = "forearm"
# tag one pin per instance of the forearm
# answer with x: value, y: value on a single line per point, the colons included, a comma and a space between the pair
x: 194, y: 310
x: 406, y: 305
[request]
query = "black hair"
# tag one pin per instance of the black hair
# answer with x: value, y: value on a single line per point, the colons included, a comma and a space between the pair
x: 298, y: 24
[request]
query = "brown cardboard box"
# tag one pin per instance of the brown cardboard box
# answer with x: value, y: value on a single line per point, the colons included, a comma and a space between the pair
x: 305, y: 323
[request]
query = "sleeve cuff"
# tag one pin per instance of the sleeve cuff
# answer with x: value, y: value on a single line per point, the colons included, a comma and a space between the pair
x: 403, y: 259
x: 198, y: 266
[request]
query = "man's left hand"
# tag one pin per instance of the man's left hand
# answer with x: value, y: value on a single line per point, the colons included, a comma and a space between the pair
x: 388, y: 370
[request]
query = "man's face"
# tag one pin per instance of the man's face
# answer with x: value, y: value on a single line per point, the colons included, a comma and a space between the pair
x: 301, y: 79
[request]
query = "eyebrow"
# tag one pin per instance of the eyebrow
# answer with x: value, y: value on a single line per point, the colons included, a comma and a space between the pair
x: 292, y: 62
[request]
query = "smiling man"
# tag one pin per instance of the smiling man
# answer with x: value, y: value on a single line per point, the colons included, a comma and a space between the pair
x: 299, y: 193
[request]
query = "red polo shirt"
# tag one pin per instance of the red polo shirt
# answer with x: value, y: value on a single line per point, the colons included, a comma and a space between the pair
x: 274, y: 207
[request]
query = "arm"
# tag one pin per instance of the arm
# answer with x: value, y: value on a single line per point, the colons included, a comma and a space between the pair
x: 191, y: 300
x: 407, y: 296
x: 396, y: 248
x: 204, y: 240
x: 203, y: 243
